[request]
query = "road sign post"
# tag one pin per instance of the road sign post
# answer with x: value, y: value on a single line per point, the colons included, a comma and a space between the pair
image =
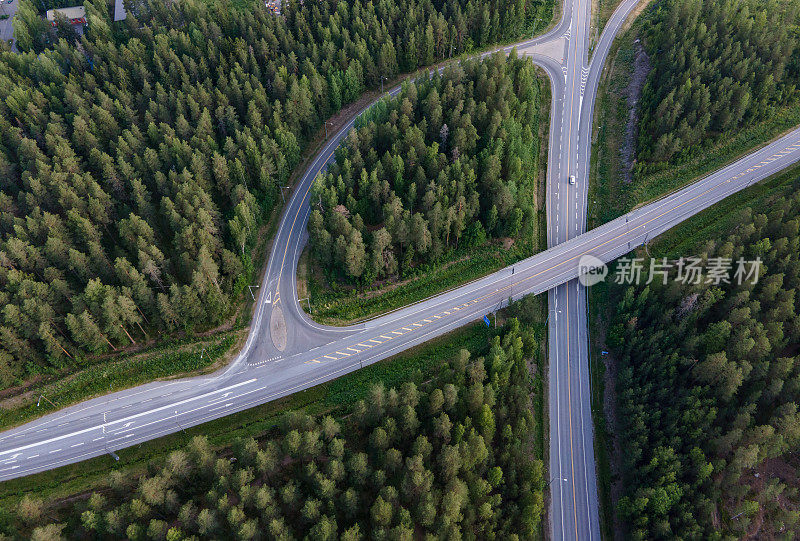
x: 40, y: 399
x: 250, y: 288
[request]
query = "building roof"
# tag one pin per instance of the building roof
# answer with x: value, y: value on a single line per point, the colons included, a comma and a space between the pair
x: 77, y: 12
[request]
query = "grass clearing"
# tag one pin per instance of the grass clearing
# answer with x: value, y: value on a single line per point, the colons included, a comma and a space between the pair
x: 599, y: 309
x: 606, y: 190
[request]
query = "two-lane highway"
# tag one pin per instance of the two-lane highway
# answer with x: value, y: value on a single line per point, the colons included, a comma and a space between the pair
x: 573, y: 494
x: 574, y: 507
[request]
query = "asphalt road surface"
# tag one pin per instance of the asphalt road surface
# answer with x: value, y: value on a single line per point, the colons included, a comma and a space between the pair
x: 10, y: 9
x: 265, y: 369
x: 313, y: 353
x: 574, y: 504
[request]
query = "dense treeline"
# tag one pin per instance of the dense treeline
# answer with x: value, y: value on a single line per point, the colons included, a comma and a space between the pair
x: 137, y: 165
x: 450, y: 161
x: 716, y: 66
x: 447, y: 459
x: 709, y: 387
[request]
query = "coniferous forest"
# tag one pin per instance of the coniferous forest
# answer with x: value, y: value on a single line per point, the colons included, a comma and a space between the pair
x: 717, y: 66
x: 449, y: 162
x: 708, y: 389
x: 138, y: 162
x: 451, y: 457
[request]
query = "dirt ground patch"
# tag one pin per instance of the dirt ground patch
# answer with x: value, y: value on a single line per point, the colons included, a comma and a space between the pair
x: 785, y: 470
x: 641, y: 68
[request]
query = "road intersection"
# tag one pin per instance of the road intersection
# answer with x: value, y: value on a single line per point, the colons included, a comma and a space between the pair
x: 311, y: 353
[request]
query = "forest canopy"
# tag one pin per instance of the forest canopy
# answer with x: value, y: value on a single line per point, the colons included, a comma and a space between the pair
x: 708, y: 389
x: 717, y: 65
x: 137, y: 164
x: 445, y: 459
x: 450, y: 161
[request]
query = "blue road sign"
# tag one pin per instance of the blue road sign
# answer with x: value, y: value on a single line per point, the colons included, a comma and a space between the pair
x: 486, y: 320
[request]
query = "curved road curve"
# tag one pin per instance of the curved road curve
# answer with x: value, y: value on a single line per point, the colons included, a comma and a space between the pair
x: 261, y: 372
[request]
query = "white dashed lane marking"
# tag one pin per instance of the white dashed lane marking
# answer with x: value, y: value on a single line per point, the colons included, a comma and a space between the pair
x: 276, y: 358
